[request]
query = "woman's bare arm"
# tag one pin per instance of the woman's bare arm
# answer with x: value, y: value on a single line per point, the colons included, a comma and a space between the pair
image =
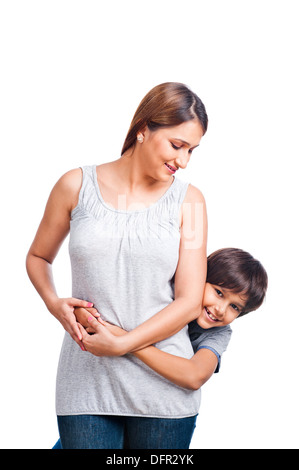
x: 51, y: 233
x: 190, y: 279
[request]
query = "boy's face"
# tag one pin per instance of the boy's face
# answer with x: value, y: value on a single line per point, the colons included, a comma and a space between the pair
x: 220, y: 306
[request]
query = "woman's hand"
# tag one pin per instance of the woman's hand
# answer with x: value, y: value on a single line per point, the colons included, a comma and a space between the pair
x: 103, y: 342
x: 63, y: 310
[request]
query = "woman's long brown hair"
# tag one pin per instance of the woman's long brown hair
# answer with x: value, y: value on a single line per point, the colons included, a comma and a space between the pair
x: 166, y: 105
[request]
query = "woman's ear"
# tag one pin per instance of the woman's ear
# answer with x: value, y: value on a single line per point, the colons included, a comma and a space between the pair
x: 142, y: 133
x: 140, y: 137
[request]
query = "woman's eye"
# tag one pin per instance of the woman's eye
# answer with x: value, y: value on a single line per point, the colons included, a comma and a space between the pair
x: 218, y: 292
x: 175, y: 147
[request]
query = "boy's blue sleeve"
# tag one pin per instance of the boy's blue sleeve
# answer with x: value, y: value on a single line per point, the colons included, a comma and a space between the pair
x: 216, y: 354
x: 215, y: 339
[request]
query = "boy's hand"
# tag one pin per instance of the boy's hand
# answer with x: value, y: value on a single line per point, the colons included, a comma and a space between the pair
x: 102, y: 342
x: 82, y: 315
x: 115, y: 330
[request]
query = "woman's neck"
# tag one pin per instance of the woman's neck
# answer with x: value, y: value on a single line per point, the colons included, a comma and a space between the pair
x: 132, y: 172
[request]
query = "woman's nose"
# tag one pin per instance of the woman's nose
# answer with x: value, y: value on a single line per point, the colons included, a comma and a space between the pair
x: 182, y: 160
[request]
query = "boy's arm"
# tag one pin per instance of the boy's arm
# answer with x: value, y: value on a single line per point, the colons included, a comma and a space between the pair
x: 188, y: 373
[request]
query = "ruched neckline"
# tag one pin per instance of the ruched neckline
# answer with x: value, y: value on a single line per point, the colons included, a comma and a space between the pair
x: 123, y: 211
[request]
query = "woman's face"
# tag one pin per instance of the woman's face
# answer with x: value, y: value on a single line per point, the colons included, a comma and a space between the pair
x: 220, y: 306
x: 165, y: 150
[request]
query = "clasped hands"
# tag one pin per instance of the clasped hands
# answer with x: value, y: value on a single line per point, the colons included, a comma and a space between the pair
x: 99, y: 337
x: 85, y: 325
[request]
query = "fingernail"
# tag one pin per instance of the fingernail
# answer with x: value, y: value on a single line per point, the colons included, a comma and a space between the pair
x: 89, y: 304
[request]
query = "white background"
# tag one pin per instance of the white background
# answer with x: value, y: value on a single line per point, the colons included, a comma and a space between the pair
x: 72, y: 75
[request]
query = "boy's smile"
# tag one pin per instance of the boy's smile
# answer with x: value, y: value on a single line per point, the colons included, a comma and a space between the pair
x: 220, y: 306
x: 210, y: 315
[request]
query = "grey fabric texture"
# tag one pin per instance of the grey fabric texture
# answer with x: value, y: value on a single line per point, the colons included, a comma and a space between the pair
x: 124, y: 262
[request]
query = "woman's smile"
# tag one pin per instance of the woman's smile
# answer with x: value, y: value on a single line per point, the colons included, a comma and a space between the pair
x: 171, y: 168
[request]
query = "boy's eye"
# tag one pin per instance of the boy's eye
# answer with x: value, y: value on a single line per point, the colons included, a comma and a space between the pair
x: 235, y: 307
x: 218, y: 292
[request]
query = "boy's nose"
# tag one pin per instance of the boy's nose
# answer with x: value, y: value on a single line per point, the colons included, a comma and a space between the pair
x: 221, y: 309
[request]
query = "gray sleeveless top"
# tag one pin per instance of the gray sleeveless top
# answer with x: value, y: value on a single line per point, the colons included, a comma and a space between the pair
x: 124, y: 262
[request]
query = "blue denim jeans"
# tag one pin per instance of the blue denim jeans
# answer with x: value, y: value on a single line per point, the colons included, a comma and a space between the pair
x: 124, y: 432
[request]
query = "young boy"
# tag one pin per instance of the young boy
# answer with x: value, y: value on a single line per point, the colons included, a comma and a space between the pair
x: 236, y: 285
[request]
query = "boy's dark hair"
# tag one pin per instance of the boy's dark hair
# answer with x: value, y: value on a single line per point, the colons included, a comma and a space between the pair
x: 237, y: 270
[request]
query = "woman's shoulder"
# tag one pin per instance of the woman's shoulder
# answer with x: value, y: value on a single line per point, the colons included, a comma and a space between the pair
x: 69, y: 185
x: 194, y: 209
x: 194, y: 195
x: 71, y: 180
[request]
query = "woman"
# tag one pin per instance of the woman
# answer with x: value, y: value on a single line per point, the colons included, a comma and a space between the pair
x: 138, y: 254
